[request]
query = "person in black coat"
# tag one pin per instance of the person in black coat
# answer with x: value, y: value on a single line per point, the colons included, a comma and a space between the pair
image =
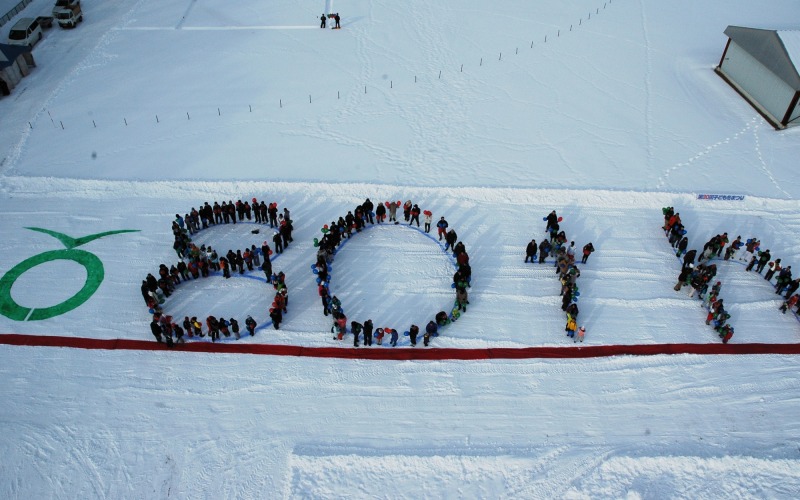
x: 368, y: 332
x: 278, y: 242
x: 277, y: 317
x: 530, y: 251
x: 380, y: 213
x: 544, y: 250
x: 412, y: 333
x: 552, y: 220
x: 369, y: 208
x: 689, y: 258
x: 322, y: 20
x: 686, y: 271
x: 450, y: 239
x: 250, y: 325
x: 156, y: 329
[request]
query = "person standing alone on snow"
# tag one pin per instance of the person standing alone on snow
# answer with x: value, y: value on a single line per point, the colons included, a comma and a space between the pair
x: 588, y: 249
x: 322, y: 19
x: 530, y: 251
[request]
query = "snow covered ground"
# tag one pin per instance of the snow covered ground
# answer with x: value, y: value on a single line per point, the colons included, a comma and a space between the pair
x: 604, y: 111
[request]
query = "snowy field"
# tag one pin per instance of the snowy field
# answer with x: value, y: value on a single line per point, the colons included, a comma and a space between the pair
x: 489, y: 115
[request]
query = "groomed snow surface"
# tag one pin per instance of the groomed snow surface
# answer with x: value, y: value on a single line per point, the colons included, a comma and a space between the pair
x: 603, y: 111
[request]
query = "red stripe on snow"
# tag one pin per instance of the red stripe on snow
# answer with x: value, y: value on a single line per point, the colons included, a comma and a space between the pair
x: 403, y: 353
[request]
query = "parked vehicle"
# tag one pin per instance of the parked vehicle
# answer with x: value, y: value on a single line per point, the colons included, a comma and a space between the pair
x: 26, y: 31
x: 46, y: 22
x: 69, y: 17
x: 63, y: 4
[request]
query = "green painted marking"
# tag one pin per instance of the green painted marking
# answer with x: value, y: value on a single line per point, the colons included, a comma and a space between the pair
x: 70, y: 242
x: 94, y: 276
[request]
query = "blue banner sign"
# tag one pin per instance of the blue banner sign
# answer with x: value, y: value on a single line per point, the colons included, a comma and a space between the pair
x: 725, y: 197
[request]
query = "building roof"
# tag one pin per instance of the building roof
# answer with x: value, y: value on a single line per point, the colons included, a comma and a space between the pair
x: 779, y: 51
x: 10, y: 53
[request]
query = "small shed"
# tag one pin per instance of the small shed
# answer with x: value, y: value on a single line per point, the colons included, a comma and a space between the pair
x: 761, y: 65
x: 15, y: 63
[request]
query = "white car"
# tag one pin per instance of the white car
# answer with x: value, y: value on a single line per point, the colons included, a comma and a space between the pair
x: 64, y: 4
x: 26, y: 31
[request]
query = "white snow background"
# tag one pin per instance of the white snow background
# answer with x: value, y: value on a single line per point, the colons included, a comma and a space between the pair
x: 489, y: 113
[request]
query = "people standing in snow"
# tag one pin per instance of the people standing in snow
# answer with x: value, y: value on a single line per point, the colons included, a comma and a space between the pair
x: 570, y: 326
x: 430, y: 331
x: 250, y: 325
x: 763, y: 259
x: 407, y: 210
x: 368, y: 326
x: 380, y: 213
x: 356, y: 328
x: 393, y: 211
x: 588, y: 249
x: 276, y: 316
x: 450, y: 239
x: 552, y: 221
x: 415, y: 211
x: 530, y: 251
x: 427, y: 220
x: 773, y: 268
x: 155, y: 328
x: 462, y: 298
x: 412, y: 334
x: 544, y: 250
x: 789, y: 303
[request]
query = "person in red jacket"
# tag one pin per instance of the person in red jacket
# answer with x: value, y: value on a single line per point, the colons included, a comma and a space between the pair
x: 789, y: 303
x: 675, y: 219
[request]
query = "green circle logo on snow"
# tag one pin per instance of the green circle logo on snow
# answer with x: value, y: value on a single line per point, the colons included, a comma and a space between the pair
x: 94, y: 276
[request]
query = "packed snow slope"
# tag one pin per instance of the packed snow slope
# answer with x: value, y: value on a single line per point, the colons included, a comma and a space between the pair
x: 488, y: 114
x: 530, y: 94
